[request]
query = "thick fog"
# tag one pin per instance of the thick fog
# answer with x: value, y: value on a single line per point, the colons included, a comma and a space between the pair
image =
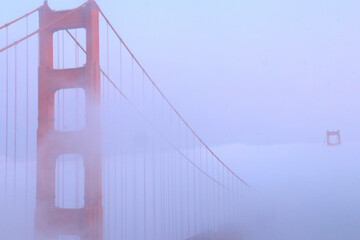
x: 300, y: 191
x: 261, y: 82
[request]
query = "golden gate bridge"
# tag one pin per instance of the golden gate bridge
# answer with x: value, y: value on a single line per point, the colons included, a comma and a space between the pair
x: 91, y: 148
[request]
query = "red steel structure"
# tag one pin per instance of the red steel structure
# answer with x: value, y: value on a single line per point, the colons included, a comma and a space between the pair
x: 51, y: 221
x: 333, y: 138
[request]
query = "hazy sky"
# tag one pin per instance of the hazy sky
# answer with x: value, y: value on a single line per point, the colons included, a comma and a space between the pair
x: 258, y: 72
x: 245, y: 71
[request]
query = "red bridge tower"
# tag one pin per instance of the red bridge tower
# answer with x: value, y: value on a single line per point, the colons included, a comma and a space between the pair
x: 52, y: 221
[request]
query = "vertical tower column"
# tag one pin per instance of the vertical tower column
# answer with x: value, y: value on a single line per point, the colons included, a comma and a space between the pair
x: 51, y: 221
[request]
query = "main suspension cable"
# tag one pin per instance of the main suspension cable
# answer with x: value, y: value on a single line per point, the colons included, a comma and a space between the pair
x: 167, y: 100
x: 42, y: 28
x: 131, y: 103
x: 22, y: 17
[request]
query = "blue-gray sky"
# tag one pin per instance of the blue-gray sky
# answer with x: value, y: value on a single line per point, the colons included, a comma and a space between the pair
x: 245, y: 71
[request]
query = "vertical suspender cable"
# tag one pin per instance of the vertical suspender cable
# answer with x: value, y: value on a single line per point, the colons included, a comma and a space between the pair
x: 210, y: 194
x: 212, y: 206
x: 107, y: 110
x: 144, y: 157
x: 121, y: 155
x: 219, y: 198
x: 125, y: 196
x: 107, y: 49
x: 15, y: 124
x: 58, y: 123
x: 116, y: 159
x: 62, y: 118
x: 201, y: 215
x: 229, y: 192
x: 171, y: 166
x: 235, y: 212
x: 114, y: 154
x: 223, y: 197
x: 132, y: 80
x: 102, y: 104
x: 187, y: 184
x: 153, y: 168
x: 107, y: 95
x: 237, y: 203
x: 195, y: 205
x: 167, y: 186
x: 77, y: 180
x: 134, y: 164
x: 169, y: 189
x: 105, y: 162
x: 234, y: 194
x: 207, y: 192
x: 27, y: 126
x: 7, y: 114
x: 162, y: 175
x: 177, y: 185
x: 58, y: 49
x: 241, y: 199
x: 180, y: 195
x: 228, y: 196
x: 116, y: 145
x: 102, y: 111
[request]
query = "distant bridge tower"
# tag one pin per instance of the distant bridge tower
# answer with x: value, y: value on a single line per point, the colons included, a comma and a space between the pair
x: 333, y: 138
x: 52, y: 221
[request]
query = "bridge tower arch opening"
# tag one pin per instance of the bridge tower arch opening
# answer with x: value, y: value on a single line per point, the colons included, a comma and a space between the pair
x: 333, y: 138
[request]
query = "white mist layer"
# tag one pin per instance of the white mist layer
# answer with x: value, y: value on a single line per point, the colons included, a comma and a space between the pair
x: 299, y: 191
